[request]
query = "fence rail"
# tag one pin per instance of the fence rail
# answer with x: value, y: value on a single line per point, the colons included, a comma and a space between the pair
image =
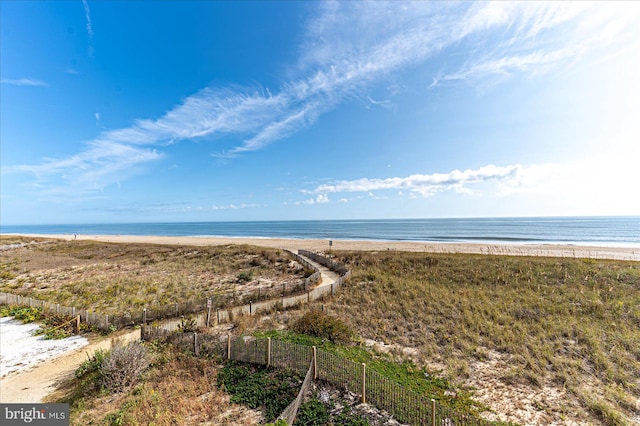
x: 405, y: 405
x: 223, y: 306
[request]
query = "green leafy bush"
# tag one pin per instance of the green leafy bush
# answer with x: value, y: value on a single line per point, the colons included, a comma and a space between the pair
x: 312, y: 413
x: 257, y: 387
x: 24, y: 314
x: 319, y: 324
x: 188, y: 325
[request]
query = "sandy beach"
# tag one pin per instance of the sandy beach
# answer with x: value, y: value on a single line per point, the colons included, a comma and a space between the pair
x: 550, y: 250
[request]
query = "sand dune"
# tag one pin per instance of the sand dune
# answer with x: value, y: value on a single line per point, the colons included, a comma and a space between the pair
x: 551, y: 250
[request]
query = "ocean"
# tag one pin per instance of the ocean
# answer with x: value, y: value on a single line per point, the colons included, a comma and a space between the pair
x: 595, y: 231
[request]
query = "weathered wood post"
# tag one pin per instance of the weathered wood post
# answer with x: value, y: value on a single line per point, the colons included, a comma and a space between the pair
x: 268, y: 351
x: 228, y: 346
x: 364, y: 382
x: 433, y: 412
x: 208, y: 311
x: 78, y: 324
x: 196, y: 351
x: 315, y: 363
x: 144, y: 316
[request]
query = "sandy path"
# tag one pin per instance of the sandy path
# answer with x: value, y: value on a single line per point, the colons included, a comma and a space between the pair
x: 35, y: 384
x: 551, y: 250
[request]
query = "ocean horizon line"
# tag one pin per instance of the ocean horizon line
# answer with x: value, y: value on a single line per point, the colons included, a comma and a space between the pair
x: 607, y: 231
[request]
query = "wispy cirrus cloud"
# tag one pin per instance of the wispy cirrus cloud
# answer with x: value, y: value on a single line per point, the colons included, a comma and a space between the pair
x: 24, y: 82
x: 87, y: 14
x: 348, y: 48
x: 103, y: 163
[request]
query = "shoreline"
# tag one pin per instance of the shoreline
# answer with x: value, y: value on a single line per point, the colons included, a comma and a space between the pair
x: 508, y: 249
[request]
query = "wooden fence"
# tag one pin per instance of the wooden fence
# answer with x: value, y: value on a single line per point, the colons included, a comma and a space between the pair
x: 371, y: 387
x: 221, y: 308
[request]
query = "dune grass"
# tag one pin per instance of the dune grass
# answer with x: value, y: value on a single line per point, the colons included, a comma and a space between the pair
x: 570, y: 323
x: 112, y: 278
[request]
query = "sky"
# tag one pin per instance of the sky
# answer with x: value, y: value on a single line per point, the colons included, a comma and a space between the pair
x: 114, y: 111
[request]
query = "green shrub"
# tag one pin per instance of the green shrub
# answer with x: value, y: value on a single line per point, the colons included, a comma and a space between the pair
x: 57, y: 326
x: 244, y: 276
x: 312, y: 413
x: 24, y: 314
x: 188, y: 325
x: 319, y: 324
x: 256, y: 387
x: 93, y: 364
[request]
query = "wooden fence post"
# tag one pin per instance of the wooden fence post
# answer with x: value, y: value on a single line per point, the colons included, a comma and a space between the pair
x: 73, y: 311
x: 315, y: 363
x: 433, y: 412
x: 78, y: 324
x: 364, y: 380
x: 107, y: 320
x: 195, y: 344
x: 268, y: 351
x: 144, y: 316
x: 228, y: 346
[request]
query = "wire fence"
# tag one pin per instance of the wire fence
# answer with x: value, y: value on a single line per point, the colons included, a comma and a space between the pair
x: 405, y: 405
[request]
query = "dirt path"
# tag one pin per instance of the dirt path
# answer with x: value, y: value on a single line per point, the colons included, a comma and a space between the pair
x: 35, y: 384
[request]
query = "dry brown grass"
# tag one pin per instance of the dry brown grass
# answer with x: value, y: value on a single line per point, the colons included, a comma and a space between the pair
x: 178, y: 389
x: 111, y: 278
x: 548, y: 323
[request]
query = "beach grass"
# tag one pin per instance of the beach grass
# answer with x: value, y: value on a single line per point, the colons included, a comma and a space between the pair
x: 571, y: 324
x: 539, y: 340
x: 114, y: 278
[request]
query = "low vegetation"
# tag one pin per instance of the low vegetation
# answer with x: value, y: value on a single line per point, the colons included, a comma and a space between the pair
x: 567, y: 324
x: 315, y: 323
x: 53, y: 326
x: 175, y: 388
x: 114, y: 278
x: 536, y: 340
x: 268, y: 389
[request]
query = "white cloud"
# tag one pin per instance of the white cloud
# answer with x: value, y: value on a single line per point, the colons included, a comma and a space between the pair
x: 347, y: 48
x: 426, y: 185
x: 103, y: 163
x: 320, y: 199
x: 24, y: 82
x: 87, y: 14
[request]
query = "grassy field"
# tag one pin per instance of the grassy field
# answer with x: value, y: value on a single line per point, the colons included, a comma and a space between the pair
x: 530, y: 324
x: 111, y: 278
x: 538, y: 340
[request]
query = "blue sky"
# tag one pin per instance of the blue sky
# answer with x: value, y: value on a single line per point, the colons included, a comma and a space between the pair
x: 195, y: 111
